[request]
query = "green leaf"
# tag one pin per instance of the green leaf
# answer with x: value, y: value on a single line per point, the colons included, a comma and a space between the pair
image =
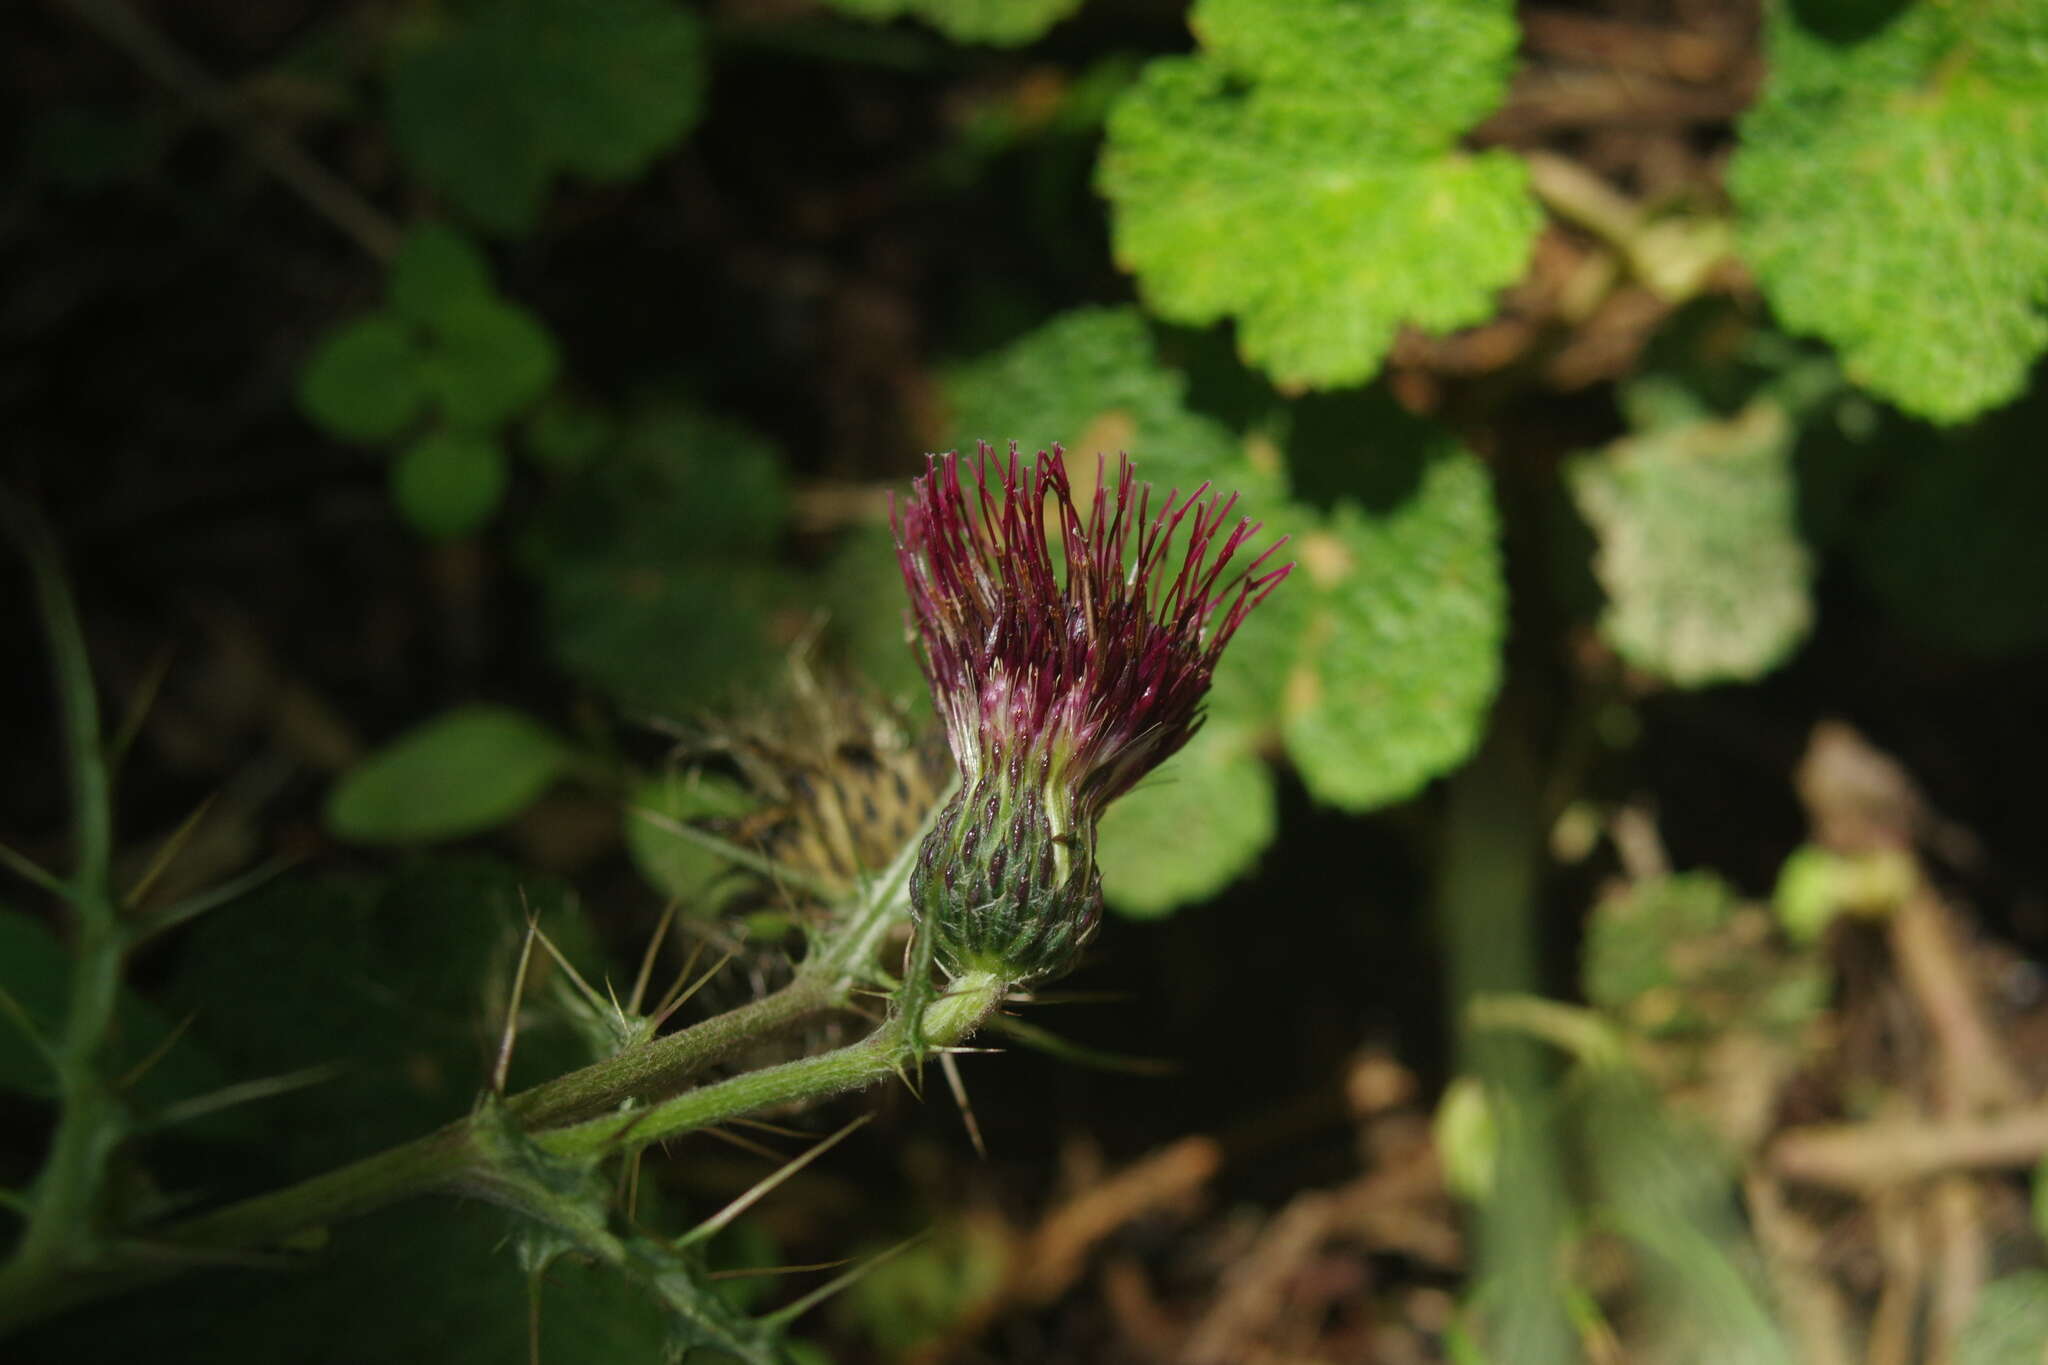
x: 1190, y: 829
x: 466, y: 770
x: 1302, y: 174
x: 35, y: 973
x: 84, y: 147
x: 366, y: 380
x: 404, y: 979
x: 437, y: 270
x: 1000, y: 23
x: 491, y: 358
x: 710, y: 486
x: 671, y: 863
x: 428, y: 1281
x: 665, y: 638
x: 924, y: 1295
x: 1891, y: 189
x: 2010, y: 1323
x: 448, y: 483
x: 1677, y: 956
x: 862, y: 586
x: 1706, y: 576
x: 1953, y: 542
x: 1399, y: 656
x: 1466, y: 1129
x: 1667, y: 1184
x: 1091, y: 380
x: 654, y: 567
x: 1635, y: 939
x: 566, y: 435
x: 491, y: 112
x: 1251, y: 679
x: 2040, y: 1199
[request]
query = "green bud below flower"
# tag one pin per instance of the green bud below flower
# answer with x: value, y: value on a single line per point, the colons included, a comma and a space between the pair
x: 1005, y: 886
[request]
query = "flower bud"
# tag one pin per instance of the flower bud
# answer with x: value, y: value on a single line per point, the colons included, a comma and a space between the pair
x: 1059, y: 691
x: 1007, y: 885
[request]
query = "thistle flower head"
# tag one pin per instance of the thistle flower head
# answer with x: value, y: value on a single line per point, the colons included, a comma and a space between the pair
x: 1059, y: 690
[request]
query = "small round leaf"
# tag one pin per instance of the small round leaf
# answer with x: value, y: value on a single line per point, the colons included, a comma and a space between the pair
x: 437, y: 269
x: 449, y: 483
x: 465, y: 771
x: 491, y: 360
x: 365, y: 381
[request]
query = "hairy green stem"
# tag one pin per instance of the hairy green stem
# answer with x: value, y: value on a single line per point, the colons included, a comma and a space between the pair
x: 581, y: 1114
x: 1487, y: 906
x: 886, y: 1052
x: 91, y: 1123
x: 454, y: 1160
x: 664, y: 1065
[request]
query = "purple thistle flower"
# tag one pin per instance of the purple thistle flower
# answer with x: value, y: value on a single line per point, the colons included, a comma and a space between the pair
x: 1059, y: 692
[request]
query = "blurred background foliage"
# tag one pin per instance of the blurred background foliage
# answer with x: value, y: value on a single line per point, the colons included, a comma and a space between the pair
x: 472, y: 422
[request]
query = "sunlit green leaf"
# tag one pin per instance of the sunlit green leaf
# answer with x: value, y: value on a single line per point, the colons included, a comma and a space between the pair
x: 1001, y: 23
x: 1302, y: 175
x: 464, y: 771
x: 1399, y: 656
x: 1250, y: 685
x: 1678, y: 956
x: 1634, y: 938
x: 1891, y: 182
x: 1091, y: 380
x: 1190, y: 829
x: 2010, y: 1323
x: 1667, y: 1184
x: 2040, y: 1199
x: 1706, y: 577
